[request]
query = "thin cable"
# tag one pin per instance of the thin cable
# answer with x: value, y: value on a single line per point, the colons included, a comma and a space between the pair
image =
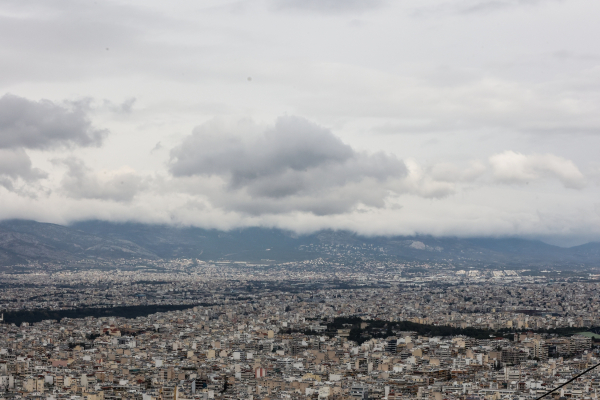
x: 567, y: 382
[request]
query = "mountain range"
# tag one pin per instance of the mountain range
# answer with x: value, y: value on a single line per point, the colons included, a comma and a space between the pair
x: 24, y: 241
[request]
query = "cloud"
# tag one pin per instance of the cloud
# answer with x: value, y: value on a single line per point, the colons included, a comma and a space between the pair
x: 16, y: 165
x: 512, y: 167
x: 294, y: 165
x: 45, y: 125
x: 456, y: 100
x: 424, y: 184
x: 158, y: 146
x: 448, y: 172
x: 42, y: 125
x: 80, y: 182
x: 441, y: 179
x: 477, y: 6
x: 125, y: 107
x: 327, y: 6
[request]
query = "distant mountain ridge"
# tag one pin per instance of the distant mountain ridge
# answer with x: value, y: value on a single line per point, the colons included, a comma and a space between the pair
x: 23, y: 241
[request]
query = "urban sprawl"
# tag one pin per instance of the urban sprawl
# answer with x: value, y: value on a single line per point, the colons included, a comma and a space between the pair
x: 188, y: 329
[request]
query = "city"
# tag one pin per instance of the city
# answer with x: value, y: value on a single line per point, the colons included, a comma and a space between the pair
x: 299, y: 199
x: 270, y: 331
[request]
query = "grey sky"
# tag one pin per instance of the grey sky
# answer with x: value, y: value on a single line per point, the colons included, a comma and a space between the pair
x: 469, y: 117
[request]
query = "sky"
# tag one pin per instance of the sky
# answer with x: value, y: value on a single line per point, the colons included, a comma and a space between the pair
x: 448, y: 118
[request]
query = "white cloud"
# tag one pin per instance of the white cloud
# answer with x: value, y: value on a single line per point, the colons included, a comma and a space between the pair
x: 423, y: 184
x: 449, y: 172
x: 331, y: 7
x: 512, y: 167
x: 467, y: 7
x: 80, y: 182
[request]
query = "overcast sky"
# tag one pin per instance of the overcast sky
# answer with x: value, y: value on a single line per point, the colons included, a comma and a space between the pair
x: 461, y: 117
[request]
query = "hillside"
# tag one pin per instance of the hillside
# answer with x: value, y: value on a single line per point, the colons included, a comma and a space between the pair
x: 24, y: 241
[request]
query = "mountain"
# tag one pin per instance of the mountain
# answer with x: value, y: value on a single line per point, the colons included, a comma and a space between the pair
x: 25, y: 241
x: 206, y: 244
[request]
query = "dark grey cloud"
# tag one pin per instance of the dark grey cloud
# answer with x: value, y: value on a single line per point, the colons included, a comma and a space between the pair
x: 45, y: 124
x: 294, y: 144
x: 80, y: 182
x: 16, y: 165
x: 293, y: 166
x: 327, y: 6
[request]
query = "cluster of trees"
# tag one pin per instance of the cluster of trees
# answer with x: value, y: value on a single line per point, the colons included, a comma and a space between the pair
x: 381, y: 329
x: 360, y: 332
x: 31, y: 316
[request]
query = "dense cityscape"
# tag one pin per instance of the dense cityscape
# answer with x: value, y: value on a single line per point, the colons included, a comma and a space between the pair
x: 189, y: 329
x: 299, y: 199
